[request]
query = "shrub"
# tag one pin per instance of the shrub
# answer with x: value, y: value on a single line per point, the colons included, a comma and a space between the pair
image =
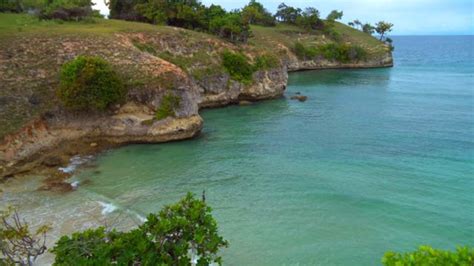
x: 166, y: 238
x: 169, y: 103
x: 343, y: 53
x: 89, y: 83
x: 11, y: 6
x: 266, y: 61
x: 304, y: 52
x: 238, y: 66
x: 66, y: 9
x: 426, y: 255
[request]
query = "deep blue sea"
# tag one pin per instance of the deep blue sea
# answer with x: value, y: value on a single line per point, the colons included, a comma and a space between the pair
x: 374, y: 160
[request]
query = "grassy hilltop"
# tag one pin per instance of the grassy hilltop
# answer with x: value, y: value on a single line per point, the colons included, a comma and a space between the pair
x: 34, y: 50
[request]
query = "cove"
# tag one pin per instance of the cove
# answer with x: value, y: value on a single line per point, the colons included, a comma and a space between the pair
x: 374, y: 160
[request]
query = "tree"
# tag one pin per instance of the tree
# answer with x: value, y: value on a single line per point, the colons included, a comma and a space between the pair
x: 17, y: 243
x: 255, y: 13
x: 177, y: 235
x: 231, y: 26
x: 66, y: 9
x: 357, y: 23
x: 287, y: 14
x: 309, y: 19
x: 382, y: 28
x: 367, y: 28
x: 334, y: 15
x: 126, y: 10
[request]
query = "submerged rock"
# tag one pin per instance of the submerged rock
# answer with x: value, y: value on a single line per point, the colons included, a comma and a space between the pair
x: 245, y: 103
x: 300, y: 98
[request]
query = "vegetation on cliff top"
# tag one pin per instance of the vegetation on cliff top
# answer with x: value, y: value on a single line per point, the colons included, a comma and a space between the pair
x: 36, y: 48
x: 89, y: 83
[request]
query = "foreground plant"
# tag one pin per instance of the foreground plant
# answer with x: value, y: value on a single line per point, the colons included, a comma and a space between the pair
x: 426, y: 255
x: 17, y: 243
x: 181, y: 234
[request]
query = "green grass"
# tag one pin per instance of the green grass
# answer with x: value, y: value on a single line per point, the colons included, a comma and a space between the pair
x: 265, y: 37
x: 18, y: 24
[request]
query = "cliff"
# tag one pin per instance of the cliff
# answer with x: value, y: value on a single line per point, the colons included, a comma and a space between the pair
x: 155, y: 61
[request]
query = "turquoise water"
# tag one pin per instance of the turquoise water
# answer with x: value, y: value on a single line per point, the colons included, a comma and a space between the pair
x: 375, y: 160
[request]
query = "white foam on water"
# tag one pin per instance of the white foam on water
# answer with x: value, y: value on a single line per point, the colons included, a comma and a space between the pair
x: 74, y: 162
x: 107, y: 207
x: 141, y: 218
x: 75, y: 184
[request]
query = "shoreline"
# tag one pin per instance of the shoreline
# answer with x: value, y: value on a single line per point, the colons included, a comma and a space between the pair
x: 65, y: 141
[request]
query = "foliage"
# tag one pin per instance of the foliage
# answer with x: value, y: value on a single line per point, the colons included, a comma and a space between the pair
x: 18, y: 244
x: 15, y: 6
x: 254, y: 13
x: 125, y: 9
x: 171, y: 237
x: 368, y: 28
x: 426, y: 255
x: 231, y: 26
x: 238, y: 66
x: 287, y: 14
x: 193, y: 15
x: 382, y: 28
x: 266, y: 61
x: 343, y: 53
x: 335, y: 15
x: 169, y: 104
x: 304, y: 52
x: 309, y: 19
x: 66, y: 9
x: 89, y: 83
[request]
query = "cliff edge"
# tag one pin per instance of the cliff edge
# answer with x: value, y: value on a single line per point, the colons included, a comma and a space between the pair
x: 155, y: 61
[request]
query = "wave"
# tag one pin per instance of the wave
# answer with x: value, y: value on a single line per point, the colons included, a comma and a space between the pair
x: 74, y: 162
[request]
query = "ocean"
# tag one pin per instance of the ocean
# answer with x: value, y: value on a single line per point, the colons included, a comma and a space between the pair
x: 374, y: 160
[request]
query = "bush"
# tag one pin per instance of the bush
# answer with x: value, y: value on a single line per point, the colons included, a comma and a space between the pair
x: 304, y: 52
x: 169, y: 103
x: 238, y: 66
x: 166, y: 238
x: 11, y: 6
x: 426, y: 255
x: 89, y: 83
x: 266, y: 61
x: 343, y: 53
x: 67, y: 10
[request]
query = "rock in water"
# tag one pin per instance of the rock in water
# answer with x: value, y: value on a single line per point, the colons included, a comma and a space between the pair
x: 300, y: 98
x: 245, y: 103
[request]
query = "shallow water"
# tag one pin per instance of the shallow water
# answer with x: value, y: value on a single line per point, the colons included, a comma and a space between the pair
x: 374, y: 160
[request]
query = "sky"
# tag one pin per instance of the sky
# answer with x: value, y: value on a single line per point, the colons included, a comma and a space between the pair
x: 410, y: 17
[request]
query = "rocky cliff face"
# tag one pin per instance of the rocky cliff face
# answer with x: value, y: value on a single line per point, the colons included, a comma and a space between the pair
x: 58, y: 133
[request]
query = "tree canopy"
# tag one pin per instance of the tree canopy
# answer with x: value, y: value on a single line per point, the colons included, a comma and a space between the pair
x: 177, y: 235
x: 382, y: 28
